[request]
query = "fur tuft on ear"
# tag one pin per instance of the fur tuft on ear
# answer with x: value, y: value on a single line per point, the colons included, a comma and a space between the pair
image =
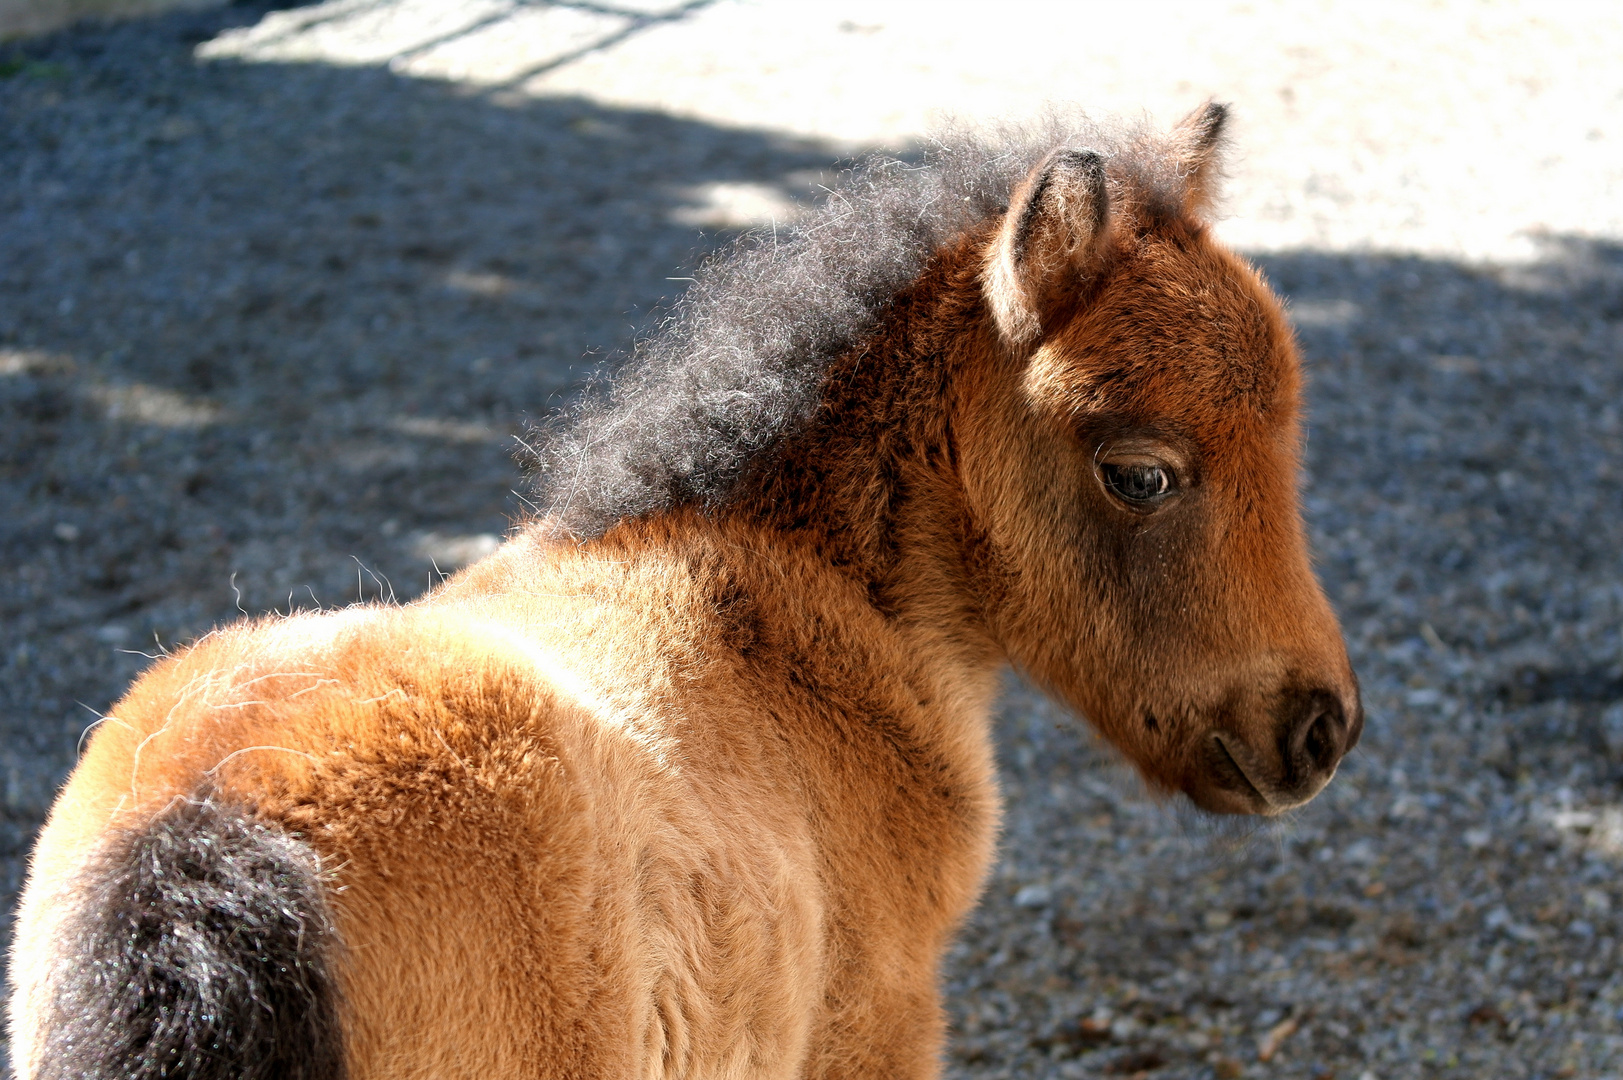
x: 1053, y: 226
x: 1198, y: 142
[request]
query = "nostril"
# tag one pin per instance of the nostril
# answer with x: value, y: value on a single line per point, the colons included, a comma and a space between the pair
x: 1315, y: 735
x: 1323, y: 740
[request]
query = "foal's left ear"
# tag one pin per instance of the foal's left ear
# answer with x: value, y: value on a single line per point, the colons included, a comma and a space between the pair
x: 1055, y: 222
x: 1197, y: 141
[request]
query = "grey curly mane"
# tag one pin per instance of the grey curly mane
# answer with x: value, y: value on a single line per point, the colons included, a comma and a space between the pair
x: 736, y: 365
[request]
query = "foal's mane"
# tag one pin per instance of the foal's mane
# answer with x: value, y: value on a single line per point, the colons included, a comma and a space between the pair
x: 736, y: 365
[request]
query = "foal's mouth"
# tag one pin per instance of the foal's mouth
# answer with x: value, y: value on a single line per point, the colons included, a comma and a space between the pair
x: 1229, y: 764
x: 1233, y: 777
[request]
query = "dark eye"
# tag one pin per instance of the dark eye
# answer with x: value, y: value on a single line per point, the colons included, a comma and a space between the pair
x: 1138, y: 484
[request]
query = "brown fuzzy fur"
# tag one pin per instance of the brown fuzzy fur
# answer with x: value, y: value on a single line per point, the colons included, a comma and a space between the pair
x: 708, y: 795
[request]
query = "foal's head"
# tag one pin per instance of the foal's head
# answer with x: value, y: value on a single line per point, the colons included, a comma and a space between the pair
x: 1133, y: 464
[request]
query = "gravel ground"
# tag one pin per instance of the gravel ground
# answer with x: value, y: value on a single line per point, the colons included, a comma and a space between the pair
x: 267, y: 330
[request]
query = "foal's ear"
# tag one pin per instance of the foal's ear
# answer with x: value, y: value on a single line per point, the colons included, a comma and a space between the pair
x: 1055, y: 221
x: 1198, y: 142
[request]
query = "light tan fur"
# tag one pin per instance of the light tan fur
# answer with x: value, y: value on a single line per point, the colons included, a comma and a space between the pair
x: 571, y: 835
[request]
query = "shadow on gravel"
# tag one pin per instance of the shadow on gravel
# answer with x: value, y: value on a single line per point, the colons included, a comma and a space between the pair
x: 271, y: 328
x: 1466, y: 467
x: 1452, y: 905
x: 268, y: 331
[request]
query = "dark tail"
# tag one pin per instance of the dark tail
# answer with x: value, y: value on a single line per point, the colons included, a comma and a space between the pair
x: 203, y: 951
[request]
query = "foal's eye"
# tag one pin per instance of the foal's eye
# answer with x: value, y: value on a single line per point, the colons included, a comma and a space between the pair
x: 1139, y: 484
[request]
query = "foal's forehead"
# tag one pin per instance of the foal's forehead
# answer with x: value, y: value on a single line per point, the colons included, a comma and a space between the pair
x: 1180, y: 329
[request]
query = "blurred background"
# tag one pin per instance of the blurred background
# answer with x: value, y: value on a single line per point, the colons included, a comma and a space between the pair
x: 280, y: 285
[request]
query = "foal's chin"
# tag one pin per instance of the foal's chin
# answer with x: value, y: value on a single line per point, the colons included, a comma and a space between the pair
x: 1230, y: 781
x: 1215, y: 799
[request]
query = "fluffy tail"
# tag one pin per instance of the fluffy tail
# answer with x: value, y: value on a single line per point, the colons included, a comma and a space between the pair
x: 203, y: 950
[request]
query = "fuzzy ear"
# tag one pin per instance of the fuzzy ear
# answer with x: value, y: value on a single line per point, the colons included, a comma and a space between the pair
x: 1198, y: 142
x: 1053, y: 226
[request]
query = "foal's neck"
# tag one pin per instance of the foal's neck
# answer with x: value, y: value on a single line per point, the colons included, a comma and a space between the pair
x: 871, y: 483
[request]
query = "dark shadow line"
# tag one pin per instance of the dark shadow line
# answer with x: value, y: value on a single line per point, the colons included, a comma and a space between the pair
x: 609, y: 10
x: 321, y: 20
x: 681, y: 11
x: 478, y: 24
x: 638, y: 23
x: 591, y: 6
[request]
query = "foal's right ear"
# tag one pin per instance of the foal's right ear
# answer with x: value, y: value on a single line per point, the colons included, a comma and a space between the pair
x: 1055, y: 222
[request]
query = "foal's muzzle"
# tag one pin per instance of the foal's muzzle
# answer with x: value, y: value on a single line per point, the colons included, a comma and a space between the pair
x: 1314, y: 730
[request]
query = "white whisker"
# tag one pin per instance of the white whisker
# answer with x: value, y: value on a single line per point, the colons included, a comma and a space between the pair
x: 284, y: 749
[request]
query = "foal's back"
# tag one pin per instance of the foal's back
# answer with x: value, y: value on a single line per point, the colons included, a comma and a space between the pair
x: 575, y: 835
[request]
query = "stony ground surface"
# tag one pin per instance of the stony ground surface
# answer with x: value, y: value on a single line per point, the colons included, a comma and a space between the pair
x: 267, y: 330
